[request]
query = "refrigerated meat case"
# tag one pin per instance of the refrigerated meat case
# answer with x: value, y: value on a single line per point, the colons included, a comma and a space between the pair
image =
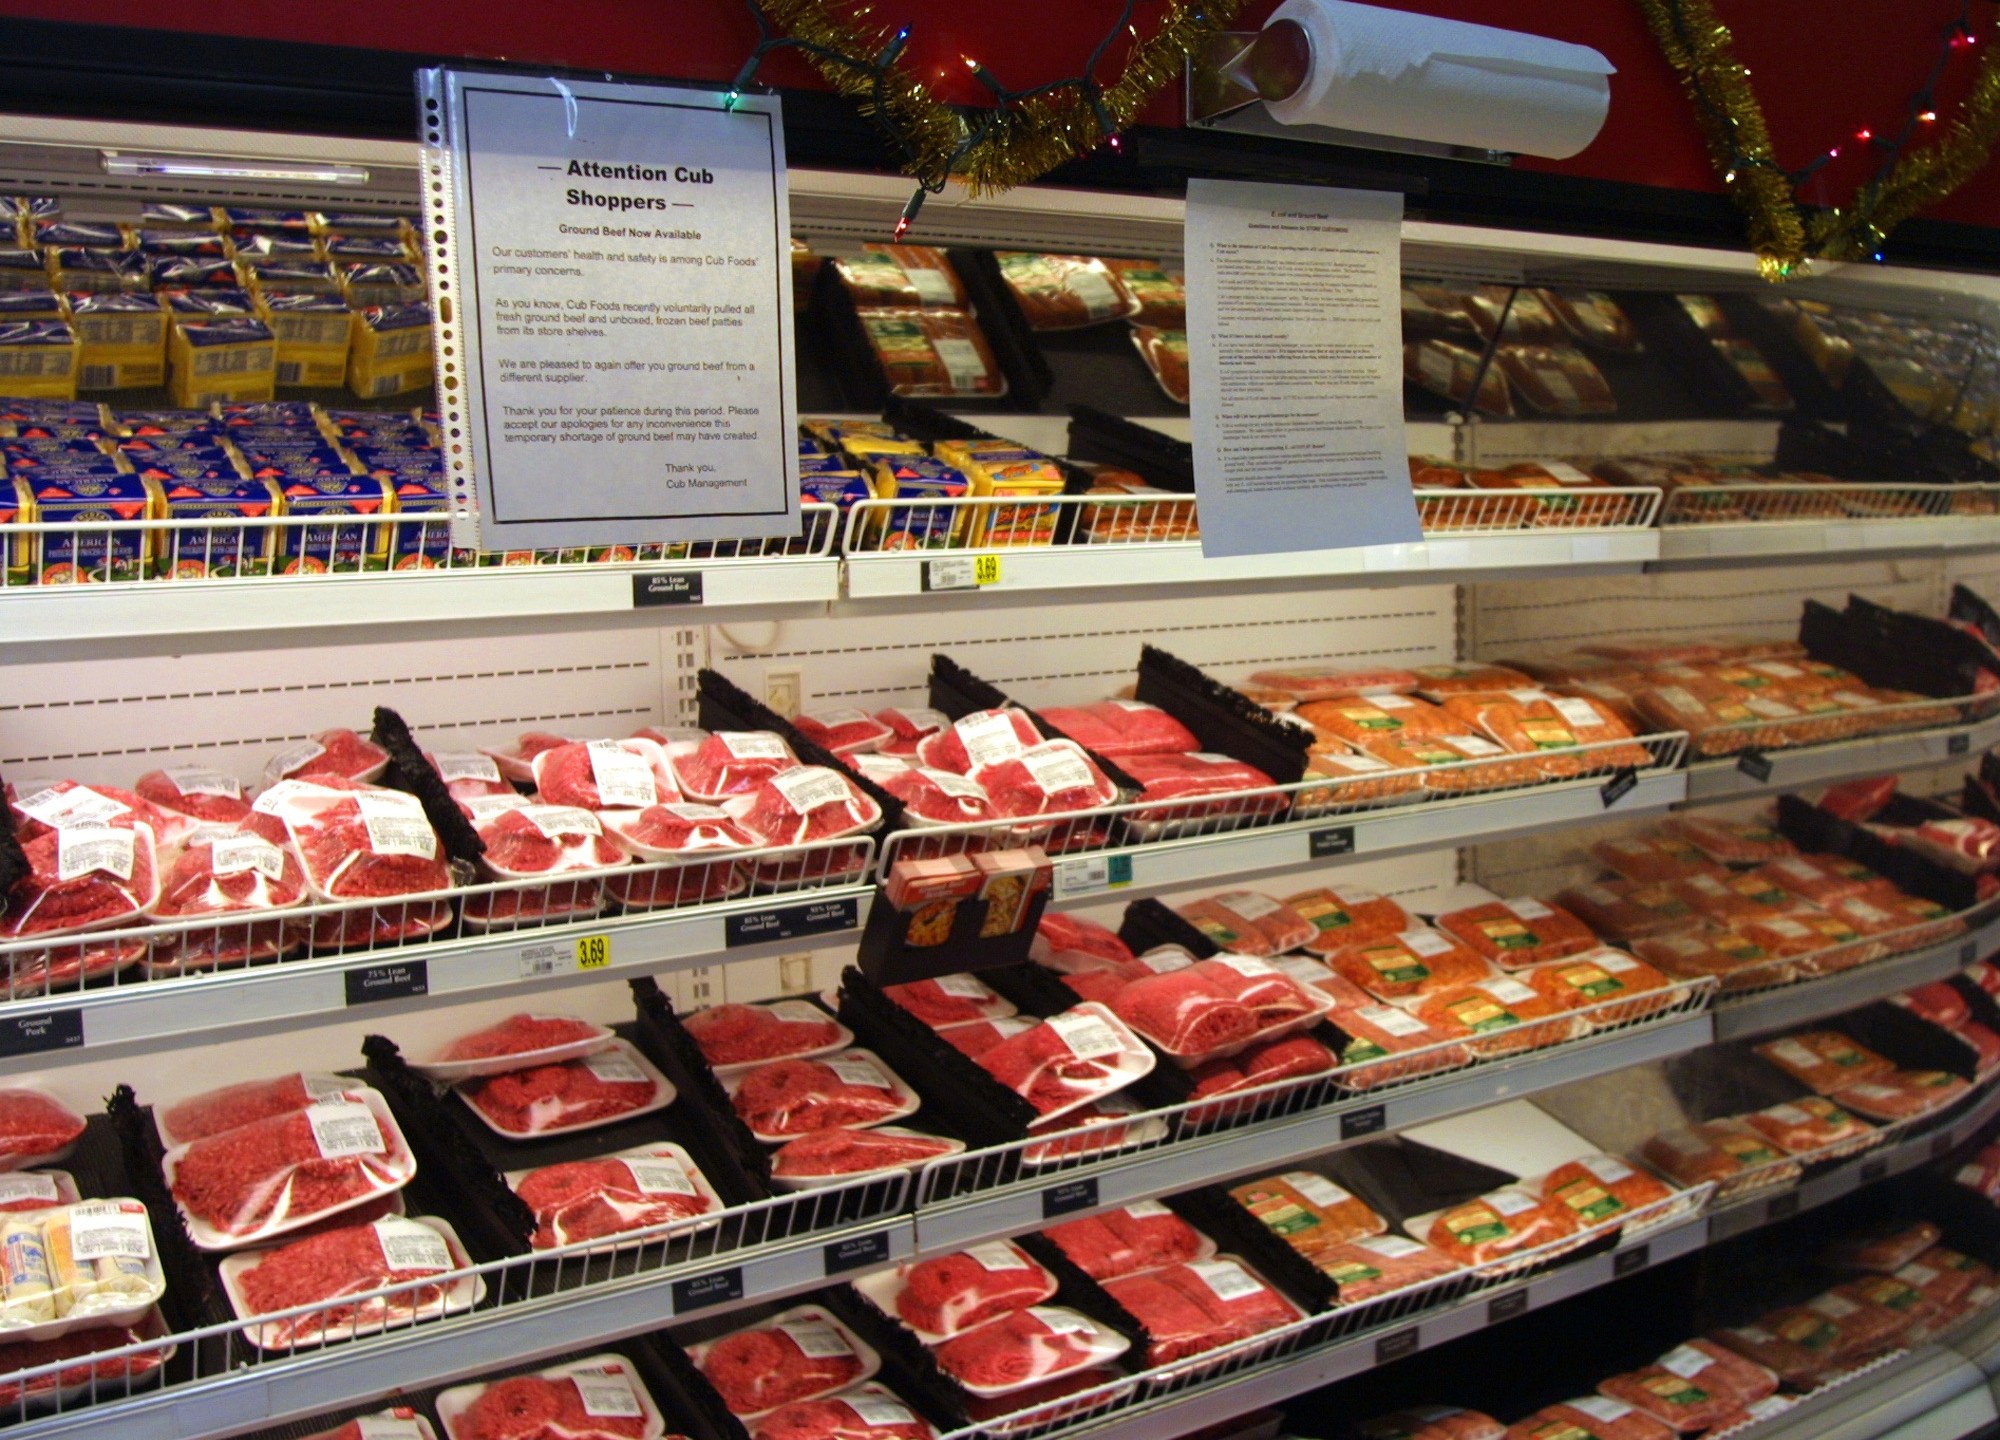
x: 108, y: 680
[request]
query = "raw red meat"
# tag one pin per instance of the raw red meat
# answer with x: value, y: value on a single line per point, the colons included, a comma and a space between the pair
x: 121, y: 883
x: 325, y: 1267
x: 663, y: 830
x: 772, y: 1365
x: 1068, y: 1058
x: 857, y: 1416
x: 807, y: 803
x: 36, y: 972
x: 347, y: 860
x: 229, y: 875
x: 1693, y: 1385
x: 852, y: 1152
x: 1123, y: 1242
x: 1186, y: 1309
x: 1020, y: 1348
x: 469, y: 777
x: 1433, y: 1422
x: 977, y: 1037
x: 606, y: 775
x: 1589, y: 1417
x: 214, y: 1111
x: 1064, y: 942
x: 537, y: 839
x: 1118, y: 729
x: 743, y: 1034
x: 1292, y: 1058
x: 521, y: 1035
x: 908, y: 727
x: 561, y: 1096
x: 32, y: 1126
x: 983, y: 738
x: 952, y: 1293
x: 517, y: 763
x: 590, y: 1199
x: 937, y: 796
x: 1937, y: 1002
x: 1188, y: 778
x: 537, y: 1407
x: 273, y: 1169
x: 1184, y: 1014
x: 334, y: 752
x: 116, y: 1376
x: 733, y: 762
x: 400, y: 1421
x: 797, y: 1097
x: 206, y: 795
x: 68, y: 803
x: 1052, y: 778
x: 948, y: 1000
x: 845, y: 732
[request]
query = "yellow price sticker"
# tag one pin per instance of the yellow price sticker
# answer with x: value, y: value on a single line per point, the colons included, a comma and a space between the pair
x: 593, y: 952
x: 986, y: 570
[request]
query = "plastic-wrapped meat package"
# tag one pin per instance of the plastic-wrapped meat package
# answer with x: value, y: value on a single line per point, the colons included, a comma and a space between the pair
x: 84, y: 876
x: 1821, y: 879
x: 866, y: 1412
x: 983, y: 739
x: 1621, y: 910
x: 1795, y: 1344
x: 1985, y: 1047
x: 1884, y: 1253
x: 606, y: 775
x: 1938, y: 1002
x: 470, y: 775
x: 1024, y: 1347
x: 1809, y: 1124
x: 323, y: 1268
x: 1433, y: 1422
x: 1966, y: 845
x: 244, y: 1103
x: 1247, y: 923
x: 1212, y: 1009
x: 196, y: 791
x: 1589, y: 1417
x: 977, y: 1037
x: 398, y: 1422
x: 517, y: 761
x: 676, y: 833
x: 1717, y: 1150
x: 1377, y: 715
x: 1507, y: 1015
x: 1052, y: 778
x: 839, y: 1154
x: 732, y: 762
x: 1199, y: 1306
x: 1825, y: 1060
x: 1601, y: 978
x: 1308, y: 1211
x: 609, y: 1085
x: 601, y: 1398
x: 1508, y: 1221
x: 1139, y: 1237
x: 1065, y: 292
x: 528, y: 841
x: 805, y: 803
x: 26, y: 1190
x: 35, y: 1129
x: 845, y: 732
x: 1693, y: 1385
x: 1739, y: 961
x: 1515, y: 934
x: 1602, y: 1188
x: 787, y: 1098
x: 909, y: 727
x: 933, y: 797
x: 1944, y: 1276
x: 1868, y: 1326
x: 1376, y: 1031
x: 229, y: 877
x: 949, y: 1000
x: 1653, y: 859
x: 1820, y: 941
x: 1295, y: 1057
x: 949, y: 1294
x: 520, y: 1041
x: 1417, y: 962
x: 1343, y: 915
x: 363, y: 844
x: 117, y: 1376
x: 282, y: 1172
x: 1310, y: 683
x: 736, y: 1034
x: 1068, y: 943
x: 1380, y: 1265
x: 1902, y: 1094
x: 1530, y: 722
x: 1731, y: 842
x: 800, y: 1354
x: 1448, y: 370
x: 1117, y: 729
x: 340, y: 753
x: 1069, y: 1060
x: 1732, y: 899
x: 1171, y: 786
x: 611, y: 1195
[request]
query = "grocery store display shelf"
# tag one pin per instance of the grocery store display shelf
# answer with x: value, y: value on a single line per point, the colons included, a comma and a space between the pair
x: 1756, y: 542
x: 1760, y: 1012
x: 1764, y: 772
x: 1933, y: 1392
x: 162, y: 1015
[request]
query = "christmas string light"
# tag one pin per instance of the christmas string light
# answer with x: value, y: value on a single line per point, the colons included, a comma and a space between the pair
x: 1023, y: 135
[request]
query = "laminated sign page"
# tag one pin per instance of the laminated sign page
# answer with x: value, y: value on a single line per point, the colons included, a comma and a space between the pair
x: 622, y: 312
x: 1295, y: 367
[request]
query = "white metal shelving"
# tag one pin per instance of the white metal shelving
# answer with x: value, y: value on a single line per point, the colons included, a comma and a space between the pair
x: 1733, y: 778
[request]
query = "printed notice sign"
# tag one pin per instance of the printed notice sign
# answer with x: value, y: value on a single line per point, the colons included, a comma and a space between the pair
x: 623, y: 316
x: 1295, y: 364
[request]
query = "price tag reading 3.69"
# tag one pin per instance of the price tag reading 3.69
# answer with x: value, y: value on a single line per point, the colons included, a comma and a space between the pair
x: 593, y: 952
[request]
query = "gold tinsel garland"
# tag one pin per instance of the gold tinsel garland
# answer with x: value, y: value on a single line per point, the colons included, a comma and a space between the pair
x: 1017, y: 142
x: 1699, y: 47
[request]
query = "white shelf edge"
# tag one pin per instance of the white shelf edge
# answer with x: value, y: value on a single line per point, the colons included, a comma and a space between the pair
x: 1720, y: 779
x: 1811, y: 999
x: 1759, y: 542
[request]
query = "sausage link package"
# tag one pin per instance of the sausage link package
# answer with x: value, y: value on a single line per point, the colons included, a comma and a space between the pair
x: 1506, y: 1222
x: 1065, y: 292
x: 1515, y: 934
x: 1343, y: 915
x: 1598, y: 978
x: 1433, y: 1422
x: 1381, y: 1265
x: 1589, y: 1417
x: 1809, y: 1124
x: 1623, y: 910
x: 1248, y: 923
x: 1308, y: 1212
x: 1376, y: 1030
x: 1416, y: 962
x: 1825, y: 1060
x: 1693, y: 1385
x: 933, y: 354
x: 1598, y: 1189
x: 902, y: 276
x: 1506, y: 1014
x: 1718, y: 1150
x: 1739, y: 961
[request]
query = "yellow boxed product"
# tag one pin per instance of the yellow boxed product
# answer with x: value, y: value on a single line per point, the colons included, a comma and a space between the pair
x: 201, y: 553
x: 124, y: 340
x: 355, y: 536
x: 17, y: 507
x: 38, y: 360
x: 42, y: 304
x: 222, y: 361
x: 1023, y: 524
x: 201, y: 306
x: 314, y: 333
x: 74, y: 268
x: 391, y: 350
x: 82, y: 497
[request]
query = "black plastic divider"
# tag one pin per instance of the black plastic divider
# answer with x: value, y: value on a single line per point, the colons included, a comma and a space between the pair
x: 958, y: 692
x: 1212, y: 1210
x: 14, y: 866
x: 854, y: 368
x: 1222, y: 718
x: 908, y: 1367
x: 409, y: 770
x: 1109, y: 439
x: 1888, y: 648
x: 1150, y: 922
x: 1908, y: 1039
x: 1814, y: 829
x: 1969, y: 607
x: 1021, y: 360
x: 684, y: 1392
x: 724, y: 1142
x: 1400, y: 1177
x: 723, y: 705
x: 930, y: 422
x: 1078, y: 1291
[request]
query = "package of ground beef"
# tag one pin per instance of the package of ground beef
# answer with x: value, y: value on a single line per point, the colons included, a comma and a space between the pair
x: 732, y: 762
x: 469, y: 775
x: 735, y: 1035
x: 399, y: 1422
x: 516, y: 1043
x: 230, y: 876
x: 1025, y: 1347
x: 908, y: 728
x: 799, y: 1354
x: 66, y: 803
x: 524, y: 842
x: 1118, y: 729
x: 89, y: 1377
x: 950, y: 1000
x: 196, y: 791
x: 84, y: 876
x: 947, y: 1295
x: 1217, y: 1007
x: 1069, y: 1060
x: 340, y: 753
x: 615, y: 1083
x: 1203, y: 1305
x: 517, y: 761
x: 359, y: 843
x: 932, y: 797
x: 788, y: 1098
x: 606, y: 775
x: 1052, y: 778
x: 807, y: 803
x: 866, y: 1412
x: 599, y: 1398
x: 324, y: 1269
x: 1294, y: 1057
x: 828, y: 1157
x: 612, y: 1195
x: 1172, y: 787
x: 845, y: 732
x: 35, y: 1129
x: 983, y: 738
x: 25, y: 1190
x: 1138, y: 1237
x: 281, y: 1173
x: 244, y: 1103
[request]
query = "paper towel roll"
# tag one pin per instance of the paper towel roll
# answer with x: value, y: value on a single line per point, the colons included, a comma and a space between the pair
x: 1387, y: 72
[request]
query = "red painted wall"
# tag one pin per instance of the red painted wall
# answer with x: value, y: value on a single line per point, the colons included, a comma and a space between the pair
x: 1824, y: 70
